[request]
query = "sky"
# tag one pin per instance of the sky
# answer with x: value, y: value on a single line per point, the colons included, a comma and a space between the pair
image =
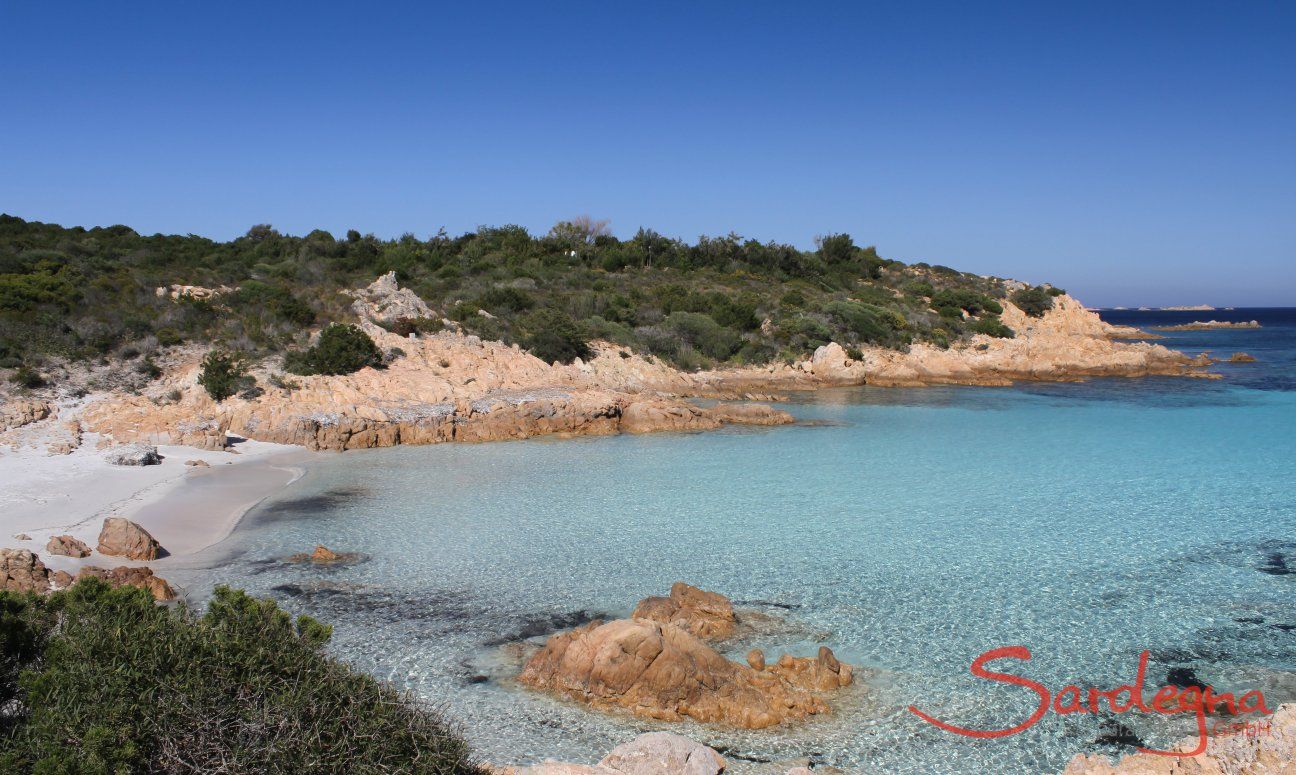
x: 1131, y: 152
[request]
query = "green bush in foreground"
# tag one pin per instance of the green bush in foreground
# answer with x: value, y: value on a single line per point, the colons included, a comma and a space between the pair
x: 112, y: 683
x: 340, y: 349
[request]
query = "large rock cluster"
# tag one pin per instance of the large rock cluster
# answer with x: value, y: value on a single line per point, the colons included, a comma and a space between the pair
x: 657, y: 668
x: 22, y: 571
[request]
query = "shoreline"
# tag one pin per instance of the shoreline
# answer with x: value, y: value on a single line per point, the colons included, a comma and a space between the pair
x: 186, y: 508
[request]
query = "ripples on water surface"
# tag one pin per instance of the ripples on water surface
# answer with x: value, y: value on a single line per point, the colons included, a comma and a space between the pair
x: 910, y: 530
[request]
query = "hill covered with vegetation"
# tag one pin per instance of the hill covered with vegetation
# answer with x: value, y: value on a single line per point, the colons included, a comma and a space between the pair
x: 89, y: 294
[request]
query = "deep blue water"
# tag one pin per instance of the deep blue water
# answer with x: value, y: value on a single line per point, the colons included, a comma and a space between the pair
x: 909, y: 529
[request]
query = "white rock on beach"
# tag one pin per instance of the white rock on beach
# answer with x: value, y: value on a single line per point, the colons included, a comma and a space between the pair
x: 133, y: 455
x: 654, y: 753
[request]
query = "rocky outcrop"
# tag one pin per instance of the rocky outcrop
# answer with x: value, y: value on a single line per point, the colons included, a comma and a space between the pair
x: 1241, y: 358
x: 67, y: 546
x: 133, y: 455
x: 708, y: 615
x: 198, y: 463
x: 16, y: 414
x: 195, y: 292
x: 749, y: 414
x: 129, y: 576
x: 660, y: 671
x: 22, y: 571
x: 1068, y: 342
x: 1268, y: 748
x: 384, y: 301
x: 658, y: 415
x: 122, y: 538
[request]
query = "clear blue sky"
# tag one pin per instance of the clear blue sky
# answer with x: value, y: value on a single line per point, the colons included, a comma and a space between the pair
x: 1132, y: 152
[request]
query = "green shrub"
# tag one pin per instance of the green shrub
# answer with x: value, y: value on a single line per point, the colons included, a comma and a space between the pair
x: 552, y: 335
x: 223, y: 374
x: 1033, y: 301
x: 101, y: 680
x: 920, y: 288
x: 704, y: 334
x: 28, y: 378
x: 341, y: 349
x: 1052, y: 291
x: 505, y: 300
x: 971, y: 301
x: 991, y: 325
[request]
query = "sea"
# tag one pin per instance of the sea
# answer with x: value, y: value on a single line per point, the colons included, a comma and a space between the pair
x: 910, y: 530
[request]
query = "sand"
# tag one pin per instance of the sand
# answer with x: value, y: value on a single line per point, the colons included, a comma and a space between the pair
x: 186, y: 508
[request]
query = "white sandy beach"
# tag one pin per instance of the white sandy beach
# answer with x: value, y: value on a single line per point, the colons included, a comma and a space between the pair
x: 186, y: 508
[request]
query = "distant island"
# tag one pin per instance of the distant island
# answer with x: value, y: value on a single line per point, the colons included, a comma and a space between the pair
x: 1208, y: 325
x: 1193, y: 308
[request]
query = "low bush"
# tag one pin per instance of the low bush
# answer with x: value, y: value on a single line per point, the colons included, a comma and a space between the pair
x: 1033, y: 301
x: 341, y: 349
x: 102, y: 680
x: 553, y: 335
x: 991, y: 325
x: 223, y: 374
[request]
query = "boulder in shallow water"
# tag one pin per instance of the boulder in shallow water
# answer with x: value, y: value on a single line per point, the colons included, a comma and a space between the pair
x: 707, y: 615
x: 133, y: 455
x: 660, y: 752
x: 661, y: 671
x: 122, y: 538
x: 322, y: 555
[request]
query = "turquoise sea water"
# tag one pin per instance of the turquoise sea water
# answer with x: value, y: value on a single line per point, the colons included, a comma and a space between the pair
x: 910, y: 530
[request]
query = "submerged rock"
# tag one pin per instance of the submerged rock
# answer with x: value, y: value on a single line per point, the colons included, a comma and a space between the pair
x: 661, y: 671
x: 707, y: 615
x: 654, y: 753
x: 122, y: 538
x: 322, y: 555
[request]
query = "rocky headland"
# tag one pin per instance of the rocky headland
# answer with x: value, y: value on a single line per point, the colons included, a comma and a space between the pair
x: 450, y: 386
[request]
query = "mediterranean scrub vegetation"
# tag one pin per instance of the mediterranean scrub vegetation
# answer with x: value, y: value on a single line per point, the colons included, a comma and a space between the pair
x: 87, y: 295
x: 102, y: 680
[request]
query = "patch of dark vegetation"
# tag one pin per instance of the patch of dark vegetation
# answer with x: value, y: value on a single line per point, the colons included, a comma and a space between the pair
x: 1275, y: 563
x: 1112, y: 732
x: 768, y: 604
x: 101, y: 680
x: 1249, y: 620
x: 312, y: 506
x: 348, y: 601
x: 1184, y: 678
x: 730, y: 753
x: 545, y: 624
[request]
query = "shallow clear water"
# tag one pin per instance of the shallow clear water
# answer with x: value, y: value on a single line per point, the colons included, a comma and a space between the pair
x: 910, y: 530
